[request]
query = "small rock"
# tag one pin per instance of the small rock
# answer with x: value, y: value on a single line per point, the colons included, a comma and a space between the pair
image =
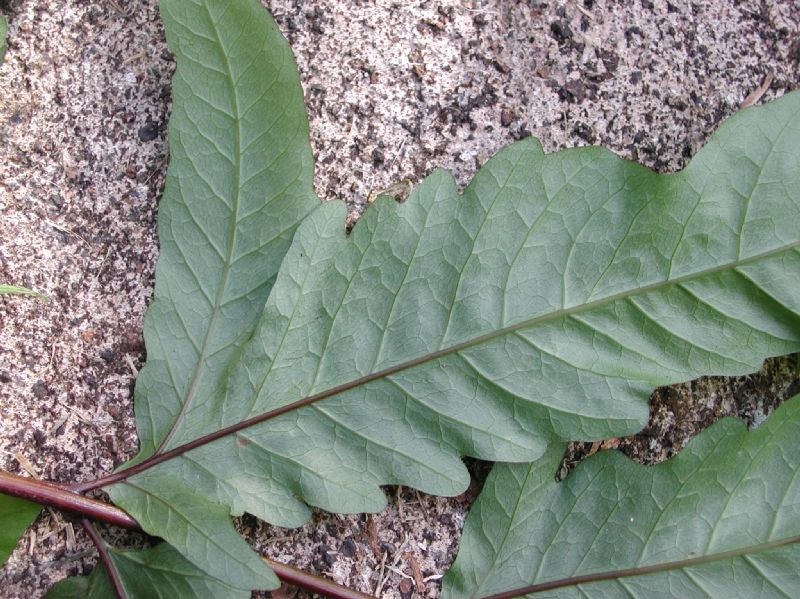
x: 377, y: 157
x: 523, y: 133
x: 468, y: 155
x: 348, y: 548
x: 575, y: 90
x: 610, y: 60
x: 406, y: 588
x: 39, y: 390
x: 388, y: 548
x: 501, y: 66
x: 149, y: 132
x: 134, y: 341
x: 107, y: 354
x: 561, y: 31
x: 38, y: 436
x: 584, y: 131
x: 506, y: 117
x: 326, y: 557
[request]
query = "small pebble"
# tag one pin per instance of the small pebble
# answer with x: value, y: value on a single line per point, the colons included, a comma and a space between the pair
x: 406, y: 588
x: 38, y: 436
x: 39, y: 390
x: 326, y: 557
x: 348, y: 548
x: 388, y: 548
x: 149, y: 132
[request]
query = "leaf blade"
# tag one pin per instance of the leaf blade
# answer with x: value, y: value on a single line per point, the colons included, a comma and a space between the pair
x: 696, y: 520
x: 239, y: 181
x: 16, y: 515
x: 202, y: 532
x: 158, y: 572
x: 473, y: 346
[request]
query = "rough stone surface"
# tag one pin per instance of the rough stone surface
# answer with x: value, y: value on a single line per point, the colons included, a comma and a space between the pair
x: 394, y: 89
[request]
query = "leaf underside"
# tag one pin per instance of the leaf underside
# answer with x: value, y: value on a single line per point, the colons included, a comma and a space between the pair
x: 545, y: 304
x: 156, y: 573
x: 239, y: 182
x: 729, y: 503
x: 542, y: 306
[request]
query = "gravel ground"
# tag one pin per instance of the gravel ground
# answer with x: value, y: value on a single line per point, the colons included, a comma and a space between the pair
x: 394, y: 89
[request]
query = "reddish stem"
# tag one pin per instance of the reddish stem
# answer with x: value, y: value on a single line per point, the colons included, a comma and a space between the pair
x: 102, y: 549
x: 61, y: 497
x: 57, y: 496
x: 315, y: 584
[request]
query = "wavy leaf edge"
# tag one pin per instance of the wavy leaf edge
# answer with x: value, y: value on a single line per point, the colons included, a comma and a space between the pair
x: 321, y: 237
x: 611, y: 508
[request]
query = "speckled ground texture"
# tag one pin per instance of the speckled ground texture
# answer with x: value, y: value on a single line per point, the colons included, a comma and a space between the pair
x: 394, y: 89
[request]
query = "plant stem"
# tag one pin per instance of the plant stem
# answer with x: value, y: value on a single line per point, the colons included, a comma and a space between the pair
x: 57, y: 496
x: 62, y: 497
x: 102, y: 549
x: 315, y: 584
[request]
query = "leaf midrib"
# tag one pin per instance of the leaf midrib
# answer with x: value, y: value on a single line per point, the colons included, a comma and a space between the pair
x: 386, y: 372
x: 645, y: 570
x: 512, y: 518
x: 232, y: 230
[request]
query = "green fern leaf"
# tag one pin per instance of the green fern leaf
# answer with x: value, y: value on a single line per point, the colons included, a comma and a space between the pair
x: 718, y: 520
x: 546, y: 303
